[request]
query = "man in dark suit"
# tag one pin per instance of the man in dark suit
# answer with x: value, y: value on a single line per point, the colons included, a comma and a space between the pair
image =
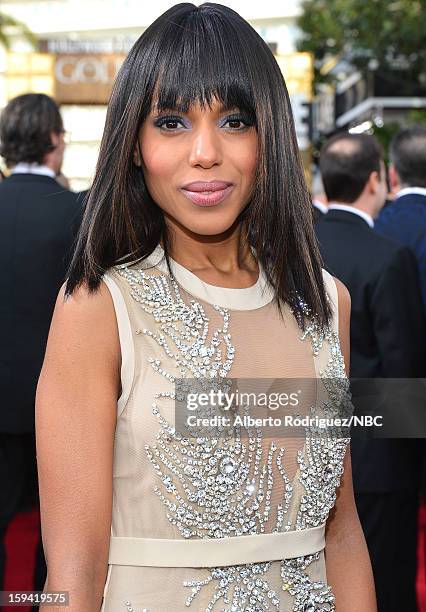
x: 405, y: 218
x: 387, y: 341
x: 38, y: 224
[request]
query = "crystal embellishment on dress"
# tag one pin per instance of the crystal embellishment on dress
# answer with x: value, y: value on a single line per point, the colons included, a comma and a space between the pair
x: 129, y: 607
x: 185, y: 324
x: 222, y: 487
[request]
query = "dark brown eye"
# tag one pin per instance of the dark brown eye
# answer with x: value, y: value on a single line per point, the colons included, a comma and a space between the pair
x: 235, y: 122
x: 169, y: 123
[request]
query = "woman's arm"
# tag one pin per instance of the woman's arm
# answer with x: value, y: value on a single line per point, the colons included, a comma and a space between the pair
x: 347, y: 559
x: 76, y: 406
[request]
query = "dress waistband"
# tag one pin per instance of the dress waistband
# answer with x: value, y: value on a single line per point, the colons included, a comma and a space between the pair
x: 216, y: 552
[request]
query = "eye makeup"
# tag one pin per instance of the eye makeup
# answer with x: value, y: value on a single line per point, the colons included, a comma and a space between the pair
x: 170, y: 122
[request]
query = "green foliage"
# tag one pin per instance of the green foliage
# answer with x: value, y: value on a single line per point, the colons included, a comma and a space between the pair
x: 7, y: 23
x: 417, y: 116
x: 385, y: 133
x: 391, y: 32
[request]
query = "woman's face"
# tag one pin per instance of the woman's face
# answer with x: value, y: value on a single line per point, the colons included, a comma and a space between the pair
x: 199, y: 166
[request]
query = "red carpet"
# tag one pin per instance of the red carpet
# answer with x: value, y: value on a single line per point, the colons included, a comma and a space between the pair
x: 421, y: 555
x: 21, y: 542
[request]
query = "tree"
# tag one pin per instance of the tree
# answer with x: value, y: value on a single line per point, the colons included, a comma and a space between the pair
x: 7, y: 23
x: 387, y: 36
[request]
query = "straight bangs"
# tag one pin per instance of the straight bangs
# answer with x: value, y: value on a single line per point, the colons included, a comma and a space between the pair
x: 205, y: 61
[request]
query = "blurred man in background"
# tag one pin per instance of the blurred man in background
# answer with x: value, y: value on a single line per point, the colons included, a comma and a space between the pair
x: 387, y: 341
x: 405, y: 218
x: 39, y: 220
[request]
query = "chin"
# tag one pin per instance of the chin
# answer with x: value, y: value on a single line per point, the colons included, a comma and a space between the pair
x: 211, y: 224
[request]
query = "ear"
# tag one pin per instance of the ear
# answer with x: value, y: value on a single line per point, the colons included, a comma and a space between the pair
x: 54, y: 139
x: 373, y: 182
x: 393, y: 179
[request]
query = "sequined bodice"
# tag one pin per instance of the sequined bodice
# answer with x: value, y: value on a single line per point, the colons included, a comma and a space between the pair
x: 169, y: 486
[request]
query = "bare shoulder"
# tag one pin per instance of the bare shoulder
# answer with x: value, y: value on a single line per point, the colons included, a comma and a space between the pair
x: 82, y: 304
x: 85, y: 320
x: 344, y: 306
x: 344, y: 298
x: 83, y: 345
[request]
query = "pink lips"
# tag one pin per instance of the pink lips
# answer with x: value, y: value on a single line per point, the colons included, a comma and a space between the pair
x: 207, y: 193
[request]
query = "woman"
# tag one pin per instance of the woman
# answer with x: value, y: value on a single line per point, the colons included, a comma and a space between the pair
x: 200, y: 217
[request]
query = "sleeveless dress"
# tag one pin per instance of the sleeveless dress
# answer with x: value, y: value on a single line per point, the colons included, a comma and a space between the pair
x: 199, y: 525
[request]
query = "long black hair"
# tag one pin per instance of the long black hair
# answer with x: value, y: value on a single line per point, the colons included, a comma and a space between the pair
x: 200, y: 54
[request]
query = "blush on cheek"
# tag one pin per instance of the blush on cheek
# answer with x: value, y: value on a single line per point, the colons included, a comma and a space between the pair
x: 155, y: 162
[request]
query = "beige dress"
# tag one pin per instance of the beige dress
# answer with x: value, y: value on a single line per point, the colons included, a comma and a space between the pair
x: 199, y: 524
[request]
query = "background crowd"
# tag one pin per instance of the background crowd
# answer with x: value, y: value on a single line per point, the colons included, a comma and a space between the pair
x: 371, y: 227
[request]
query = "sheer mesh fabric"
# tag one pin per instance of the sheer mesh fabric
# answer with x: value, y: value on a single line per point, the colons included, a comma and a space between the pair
x: 267, y: 347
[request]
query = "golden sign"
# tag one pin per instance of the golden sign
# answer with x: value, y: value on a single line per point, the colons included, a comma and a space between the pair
x: 70, y: 79
x: 85, y: 79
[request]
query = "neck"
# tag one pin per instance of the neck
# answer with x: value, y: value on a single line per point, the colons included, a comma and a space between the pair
x: 224, y: 254
x: 51, y: 167
x: 366, y: 207
x: 51, y: 162
x: 223, y: 259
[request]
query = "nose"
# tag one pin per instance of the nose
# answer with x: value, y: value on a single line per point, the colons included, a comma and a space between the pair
x: 206, y: 148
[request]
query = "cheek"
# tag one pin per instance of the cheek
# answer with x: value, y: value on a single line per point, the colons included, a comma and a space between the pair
x: 246, y: 160
x: 156, y: 163
x: 159, y: 169
x: 159, y: 164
